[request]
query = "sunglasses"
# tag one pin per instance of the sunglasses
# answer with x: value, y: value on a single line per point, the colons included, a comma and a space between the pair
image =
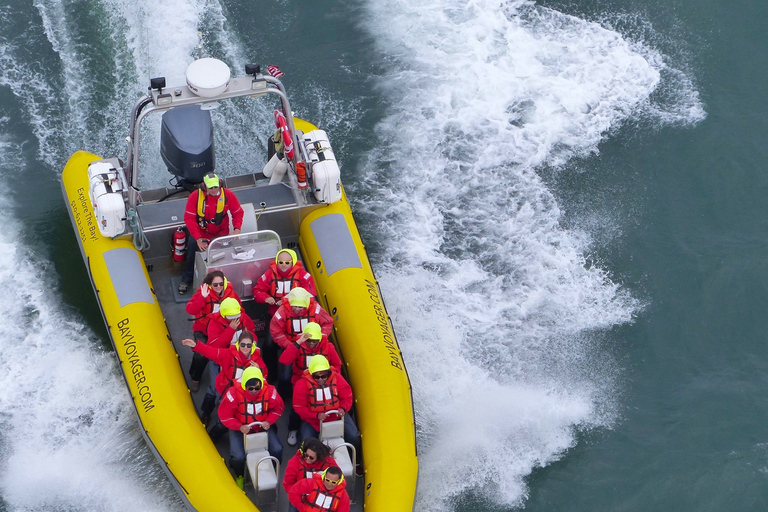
x: 253, y: 388
x: 310, y: 457
x: 284, y: 262
x: 246, y: 345
x: 321, y: 375
x: 218, y: 284
x: 332, y: 482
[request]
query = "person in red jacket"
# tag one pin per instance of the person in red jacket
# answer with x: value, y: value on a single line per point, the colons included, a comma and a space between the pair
x: 284, y: 274
x: 233, y: 361
x: 294, y: 361
x: 251, y: 405
x: 224, y: 327
x: 312, y: 342
x: 311, y: 458
x: 323, y: 394
x: 287, y: 326
x: 206, y: 218
x: 206, y: 300
x: 324, y: 492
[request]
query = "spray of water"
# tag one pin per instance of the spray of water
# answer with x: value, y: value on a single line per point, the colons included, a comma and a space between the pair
x: 497, y: 308
x: 68, y: 435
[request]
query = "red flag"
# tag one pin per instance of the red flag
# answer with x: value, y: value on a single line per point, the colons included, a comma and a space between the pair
x: 275, y: 71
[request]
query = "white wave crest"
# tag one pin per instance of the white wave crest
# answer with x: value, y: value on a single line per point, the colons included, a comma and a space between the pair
x: 68, y: 433
x: 498, y: 310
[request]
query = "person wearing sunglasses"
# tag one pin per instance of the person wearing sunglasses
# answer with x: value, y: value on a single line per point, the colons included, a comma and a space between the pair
x: 294, y: 361
x: 312, y: 457
x: 323, y: 492
x: 288, y: 324
x: 251, y: 405
x: 206, y: 217
x: 206, y: 300
x: 283, y: 275
x: 320, y: 390
x: 233, y: 361
x: 225, y: 327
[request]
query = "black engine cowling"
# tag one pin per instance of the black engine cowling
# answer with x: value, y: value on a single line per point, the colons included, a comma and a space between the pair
x: 186, y: 143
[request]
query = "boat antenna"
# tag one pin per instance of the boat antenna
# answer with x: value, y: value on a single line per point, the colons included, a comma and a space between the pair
x: 199, y: 44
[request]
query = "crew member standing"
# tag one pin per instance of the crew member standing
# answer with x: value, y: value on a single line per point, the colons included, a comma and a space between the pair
x: 206, y: 218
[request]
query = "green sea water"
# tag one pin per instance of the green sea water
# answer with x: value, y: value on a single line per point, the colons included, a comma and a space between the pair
x: 588, y: 248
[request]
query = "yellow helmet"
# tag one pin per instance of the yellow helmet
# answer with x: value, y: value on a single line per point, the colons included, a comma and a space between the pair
x: 299, y: 297
x: 290, y: 252
x: 250, y: 373
x: 318, y: 363
x: 229, y: 307
x: 314, y: 331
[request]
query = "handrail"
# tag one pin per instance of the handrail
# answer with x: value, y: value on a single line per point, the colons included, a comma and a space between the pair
x: 238, y: 87
x: 344, y: 444
x: 224, y: 242
x: 353, y: 497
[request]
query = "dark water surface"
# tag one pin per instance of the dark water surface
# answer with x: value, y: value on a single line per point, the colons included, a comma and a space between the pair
x: 586, y: 297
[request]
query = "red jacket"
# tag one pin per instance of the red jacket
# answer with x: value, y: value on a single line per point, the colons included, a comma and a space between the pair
x: 309, y: 399
x: 298, y: 469
x: 274, y: 283
x: 232, y: 363
x: 200, y: 307
x: 286, y: 327
x: 310, y: 495
x: 240, y: 407
x: 221, y: 335
x: 298, y: 355
x: 211, y: 230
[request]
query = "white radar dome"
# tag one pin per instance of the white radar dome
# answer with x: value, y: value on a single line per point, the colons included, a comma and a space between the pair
x: 208, y: 77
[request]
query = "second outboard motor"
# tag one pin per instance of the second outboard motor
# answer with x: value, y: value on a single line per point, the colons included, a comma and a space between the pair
x: 186, y: 143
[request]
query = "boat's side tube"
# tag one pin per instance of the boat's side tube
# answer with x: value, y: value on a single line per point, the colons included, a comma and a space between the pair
x: 337, y: 259
x: 147, y: 358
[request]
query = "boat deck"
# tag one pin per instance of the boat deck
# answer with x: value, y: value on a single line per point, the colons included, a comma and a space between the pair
x: 165, y: 281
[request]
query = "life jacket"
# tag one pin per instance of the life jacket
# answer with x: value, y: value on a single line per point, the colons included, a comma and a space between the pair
x: 322, y: 349
x: 297, y: 323
x: 311, y: 472
x: 277, y: 140
x: 280, y: 286
x: 323, y: 398
x: 239, y: 364
x: 252, y: 409
x: 321, y: 498
x: 221, y: 203
x: 212, y: 304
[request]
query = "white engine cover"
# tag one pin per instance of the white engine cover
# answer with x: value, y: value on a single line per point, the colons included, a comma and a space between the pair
x: 326, y: 176
x: 106, y: 193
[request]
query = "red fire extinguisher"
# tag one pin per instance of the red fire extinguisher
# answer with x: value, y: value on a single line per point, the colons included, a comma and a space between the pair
x: 301, y: 174
x: 179, y: 244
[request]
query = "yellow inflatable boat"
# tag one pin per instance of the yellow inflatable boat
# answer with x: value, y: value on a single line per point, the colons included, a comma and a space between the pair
x: 126, y: 234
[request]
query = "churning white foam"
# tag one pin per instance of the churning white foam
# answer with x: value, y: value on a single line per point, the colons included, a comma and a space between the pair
x: 68, y: 433
x: 498, y: 311
x: 69, y: 439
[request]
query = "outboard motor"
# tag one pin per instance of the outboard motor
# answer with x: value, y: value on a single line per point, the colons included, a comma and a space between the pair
x: 186, y: 143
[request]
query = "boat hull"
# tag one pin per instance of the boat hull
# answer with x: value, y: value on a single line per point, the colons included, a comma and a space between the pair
x: 336, y: 257
x: 155, y: 379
